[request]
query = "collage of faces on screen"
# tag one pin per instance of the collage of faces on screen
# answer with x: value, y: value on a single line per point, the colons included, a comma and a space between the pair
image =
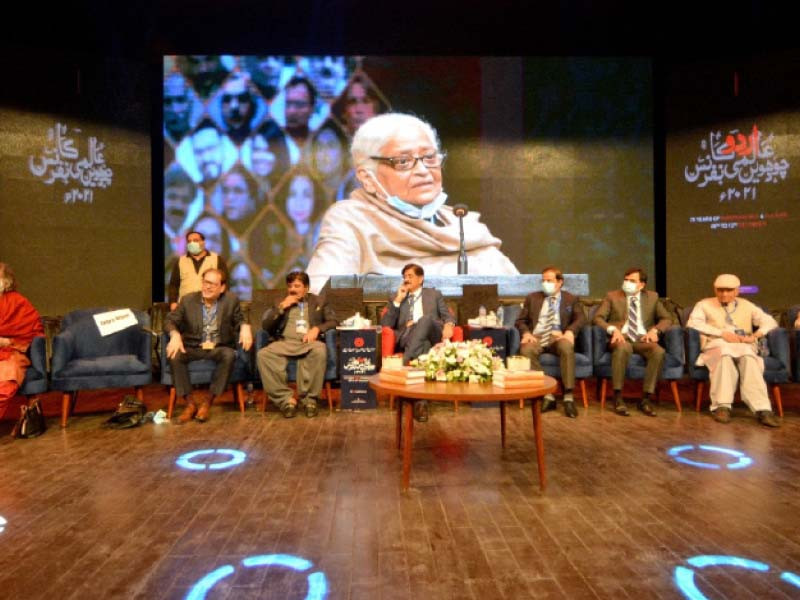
x: 255, y: 149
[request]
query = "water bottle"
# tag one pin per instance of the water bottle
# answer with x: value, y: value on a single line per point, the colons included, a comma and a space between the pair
x: 482, y: 315
x: 500, y: 322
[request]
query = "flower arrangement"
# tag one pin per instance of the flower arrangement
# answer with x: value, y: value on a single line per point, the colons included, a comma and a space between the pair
x: 470, y: 361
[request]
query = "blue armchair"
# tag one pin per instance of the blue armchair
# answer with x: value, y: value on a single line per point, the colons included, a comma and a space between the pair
x: 776, y: 365
x: 331, y: 364
x: 672, y: 370
x: 35, y: 382
x: 83, y: 359
x: 796, y: 335
x: 551, y: 362
x: 201, y: 372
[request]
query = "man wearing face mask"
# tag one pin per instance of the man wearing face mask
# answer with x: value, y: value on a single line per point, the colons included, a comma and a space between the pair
x: 549, y: 322
x: 295, y: 323
x: 420, y: 319
x: 633, y: 318
x: 399, y: 214
x: 187, y: 274
x: 730, y: 328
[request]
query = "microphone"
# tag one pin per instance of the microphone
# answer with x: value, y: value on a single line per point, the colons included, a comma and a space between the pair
x: 461, y: 210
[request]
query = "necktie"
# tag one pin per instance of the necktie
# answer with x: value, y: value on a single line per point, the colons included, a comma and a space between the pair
x: 549, y: 322
x: 633, y: 320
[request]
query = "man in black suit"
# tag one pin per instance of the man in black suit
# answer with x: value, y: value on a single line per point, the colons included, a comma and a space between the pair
x: 205, y: 326
x: 420, y: 318
x: 549, y: 322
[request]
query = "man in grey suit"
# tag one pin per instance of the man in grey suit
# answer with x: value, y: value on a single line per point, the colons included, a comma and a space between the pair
x: 420, y: 318
x: 549, y: 322
x: 205, y: 326
x: 634, y: 318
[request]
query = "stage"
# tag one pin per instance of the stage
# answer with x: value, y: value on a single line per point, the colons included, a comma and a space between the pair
x: 95, y: 513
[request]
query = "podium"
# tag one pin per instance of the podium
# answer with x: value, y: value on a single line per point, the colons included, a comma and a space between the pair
x: 359, y: 353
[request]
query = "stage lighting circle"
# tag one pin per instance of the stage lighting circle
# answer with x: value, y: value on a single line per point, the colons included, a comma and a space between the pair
x: 317, y: 582
x: 684, y: 576
x: 742, y: 460
x: 3, y: 524
x: 186, y: 461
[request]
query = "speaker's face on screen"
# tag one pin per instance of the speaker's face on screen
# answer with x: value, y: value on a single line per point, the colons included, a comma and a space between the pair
x: 177, y: 106
x: 176, y: 203
x: 207, y: 153
x: 236, y: 200
x: 300, y: 200
x: 419, y: 186
x: 359, y: 106
x: 298, y: 108
x: 263, y: 158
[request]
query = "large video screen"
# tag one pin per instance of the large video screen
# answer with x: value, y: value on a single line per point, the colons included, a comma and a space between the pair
x: 552, y: 155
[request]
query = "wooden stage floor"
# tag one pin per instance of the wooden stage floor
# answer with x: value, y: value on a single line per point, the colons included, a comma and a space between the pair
x: 94, y: 513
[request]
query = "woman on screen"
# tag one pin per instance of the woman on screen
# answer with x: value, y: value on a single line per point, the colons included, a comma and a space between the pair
x: 399, y: 214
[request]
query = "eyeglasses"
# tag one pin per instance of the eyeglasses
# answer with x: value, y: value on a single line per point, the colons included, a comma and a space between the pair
x: 433, y: 160
x: 211, y: 284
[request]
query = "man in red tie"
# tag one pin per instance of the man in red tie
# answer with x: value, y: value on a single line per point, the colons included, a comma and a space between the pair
x: 633, y: 318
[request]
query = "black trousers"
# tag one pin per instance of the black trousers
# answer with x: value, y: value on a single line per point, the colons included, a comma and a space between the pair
x: 222, y: 355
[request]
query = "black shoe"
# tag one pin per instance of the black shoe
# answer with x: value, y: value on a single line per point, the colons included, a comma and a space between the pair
x: 288, y: 410
x: 768, y: 419
x: 722, y: 414
x: 548, y: 403
x: 311, y: 409
x: 570, y: 410
x: 620, y: 407
x: 647, y: 408
x: 421, y: 411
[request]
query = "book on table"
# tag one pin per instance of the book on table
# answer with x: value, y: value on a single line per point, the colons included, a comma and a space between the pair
x: 512, y: 379
x: 403, y: 375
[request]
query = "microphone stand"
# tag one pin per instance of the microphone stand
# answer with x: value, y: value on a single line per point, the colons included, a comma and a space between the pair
x: 460, y: 210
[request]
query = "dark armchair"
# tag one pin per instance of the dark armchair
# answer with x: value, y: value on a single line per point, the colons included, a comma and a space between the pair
x: 331, y: 369
x: 201, y: 372
x: 671, y: 371
x: 35, y: 382
x: 795, y: 335
x: 83, y: 359
x: 776, y: 365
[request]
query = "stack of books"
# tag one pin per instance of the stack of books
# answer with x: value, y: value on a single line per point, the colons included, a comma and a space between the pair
x: 403, y: 375
x: 516, y: 379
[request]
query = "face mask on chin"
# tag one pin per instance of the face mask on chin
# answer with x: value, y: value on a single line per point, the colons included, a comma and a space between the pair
x: 629, y: 287
x: 410, y: 210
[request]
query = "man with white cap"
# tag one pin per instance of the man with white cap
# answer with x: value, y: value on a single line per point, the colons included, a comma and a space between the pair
x: 730, y: 328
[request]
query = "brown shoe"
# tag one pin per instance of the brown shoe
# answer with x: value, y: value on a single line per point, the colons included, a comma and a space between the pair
x: 202, y: 412
x: 187, y: 413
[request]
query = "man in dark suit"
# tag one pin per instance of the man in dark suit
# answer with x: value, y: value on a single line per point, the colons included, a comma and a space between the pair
x: 549, y: 322
x: 420, y: 319
x: 205, y: 326
x: 634, y: 318
x: 295, y: 323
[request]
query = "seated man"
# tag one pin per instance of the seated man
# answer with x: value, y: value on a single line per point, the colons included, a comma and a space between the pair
x: 187, y: 273
x: 295, y: 323
x: 205, y: 326
x: 551, y: 326
x: 420, y: 318
x: 728, y: 345
x: 634, y: 317
x: 19, y: 324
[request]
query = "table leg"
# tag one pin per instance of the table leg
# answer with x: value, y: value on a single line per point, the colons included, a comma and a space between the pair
x: 399, y: 422
x: 408, y: 430
x: 503, y: 423
x: 536, y: 409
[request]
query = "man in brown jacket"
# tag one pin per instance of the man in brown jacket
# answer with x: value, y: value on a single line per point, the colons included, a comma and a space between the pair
x: 633, y: 318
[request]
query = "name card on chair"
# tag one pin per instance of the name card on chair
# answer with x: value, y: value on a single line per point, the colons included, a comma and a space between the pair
x: 115, y: 320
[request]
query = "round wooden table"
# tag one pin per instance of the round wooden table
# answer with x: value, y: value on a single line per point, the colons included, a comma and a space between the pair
x: 439, y: 391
